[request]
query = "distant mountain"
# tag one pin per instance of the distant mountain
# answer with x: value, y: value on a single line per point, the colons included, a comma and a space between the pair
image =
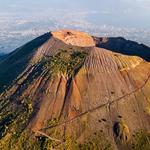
x: 126, y: 47
x: 2, y: 54
x: 71, y: 91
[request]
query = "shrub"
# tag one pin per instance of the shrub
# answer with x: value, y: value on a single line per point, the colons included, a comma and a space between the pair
x: 141, y: 141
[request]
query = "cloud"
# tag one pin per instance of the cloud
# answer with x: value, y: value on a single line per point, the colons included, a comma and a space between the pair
x: 137, y: 3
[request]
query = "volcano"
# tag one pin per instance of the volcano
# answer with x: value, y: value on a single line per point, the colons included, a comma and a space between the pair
x: 69, y: 90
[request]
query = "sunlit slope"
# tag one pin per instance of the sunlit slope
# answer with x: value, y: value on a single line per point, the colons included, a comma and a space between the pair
x: 74, y: 95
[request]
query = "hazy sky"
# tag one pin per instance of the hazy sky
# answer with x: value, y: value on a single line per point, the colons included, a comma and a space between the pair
x: 23, y: 20
x: 122, y: 13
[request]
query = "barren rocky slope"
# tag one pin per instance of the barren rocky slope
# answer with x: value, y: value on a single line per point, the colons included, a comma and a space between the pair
x: 69, y: 90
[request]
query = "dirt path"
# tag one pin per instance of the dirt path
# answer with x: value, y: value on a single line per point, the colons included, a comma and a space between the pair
x: 98, y: 107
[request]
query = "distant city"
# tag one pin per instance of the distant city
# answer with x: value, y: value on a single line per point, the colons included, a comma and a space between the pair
x: 17, y: 30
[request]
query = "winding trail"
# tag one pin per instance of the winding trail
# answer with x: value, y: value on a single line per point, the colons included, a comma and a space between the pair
x: 98, y: 107
x: 44, y: 134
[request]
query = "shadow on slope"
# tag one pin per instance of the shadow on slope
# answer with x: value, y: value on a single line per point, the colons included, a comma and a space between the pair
x: 2, y: 56
x: 127, y: 47
x: 15, y: 62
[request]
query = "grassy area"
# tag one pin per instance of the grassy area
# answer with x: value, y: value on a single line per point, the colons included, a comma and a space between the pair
x: 141, y: 141
x: 15, y: 114
x: 67, y: 63
x: 96, y: 141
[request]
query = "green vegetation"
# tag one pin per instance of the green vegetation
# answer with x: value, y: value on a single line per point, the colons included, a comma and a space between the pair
x: 17, y: 111
x: 97, y: 141
x: 13, y: 122
x: 67, y: 63
x: 45, y: 143
x: 141, y: 141
x: 4, y: 123
x: 52, y: 122
x: 70, y: 143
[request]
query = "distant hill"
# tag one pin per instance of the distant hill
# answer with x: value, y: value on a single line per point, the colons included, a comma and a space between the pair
x: 2, y: 54
x: 126, y: 47
x: 67, y: 90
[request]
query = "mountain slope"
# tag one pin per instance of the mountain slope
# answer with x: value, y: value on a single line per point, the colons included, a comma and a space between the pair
x: 68, y: 92
x: 16, y: 62
x: 2, y: 56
